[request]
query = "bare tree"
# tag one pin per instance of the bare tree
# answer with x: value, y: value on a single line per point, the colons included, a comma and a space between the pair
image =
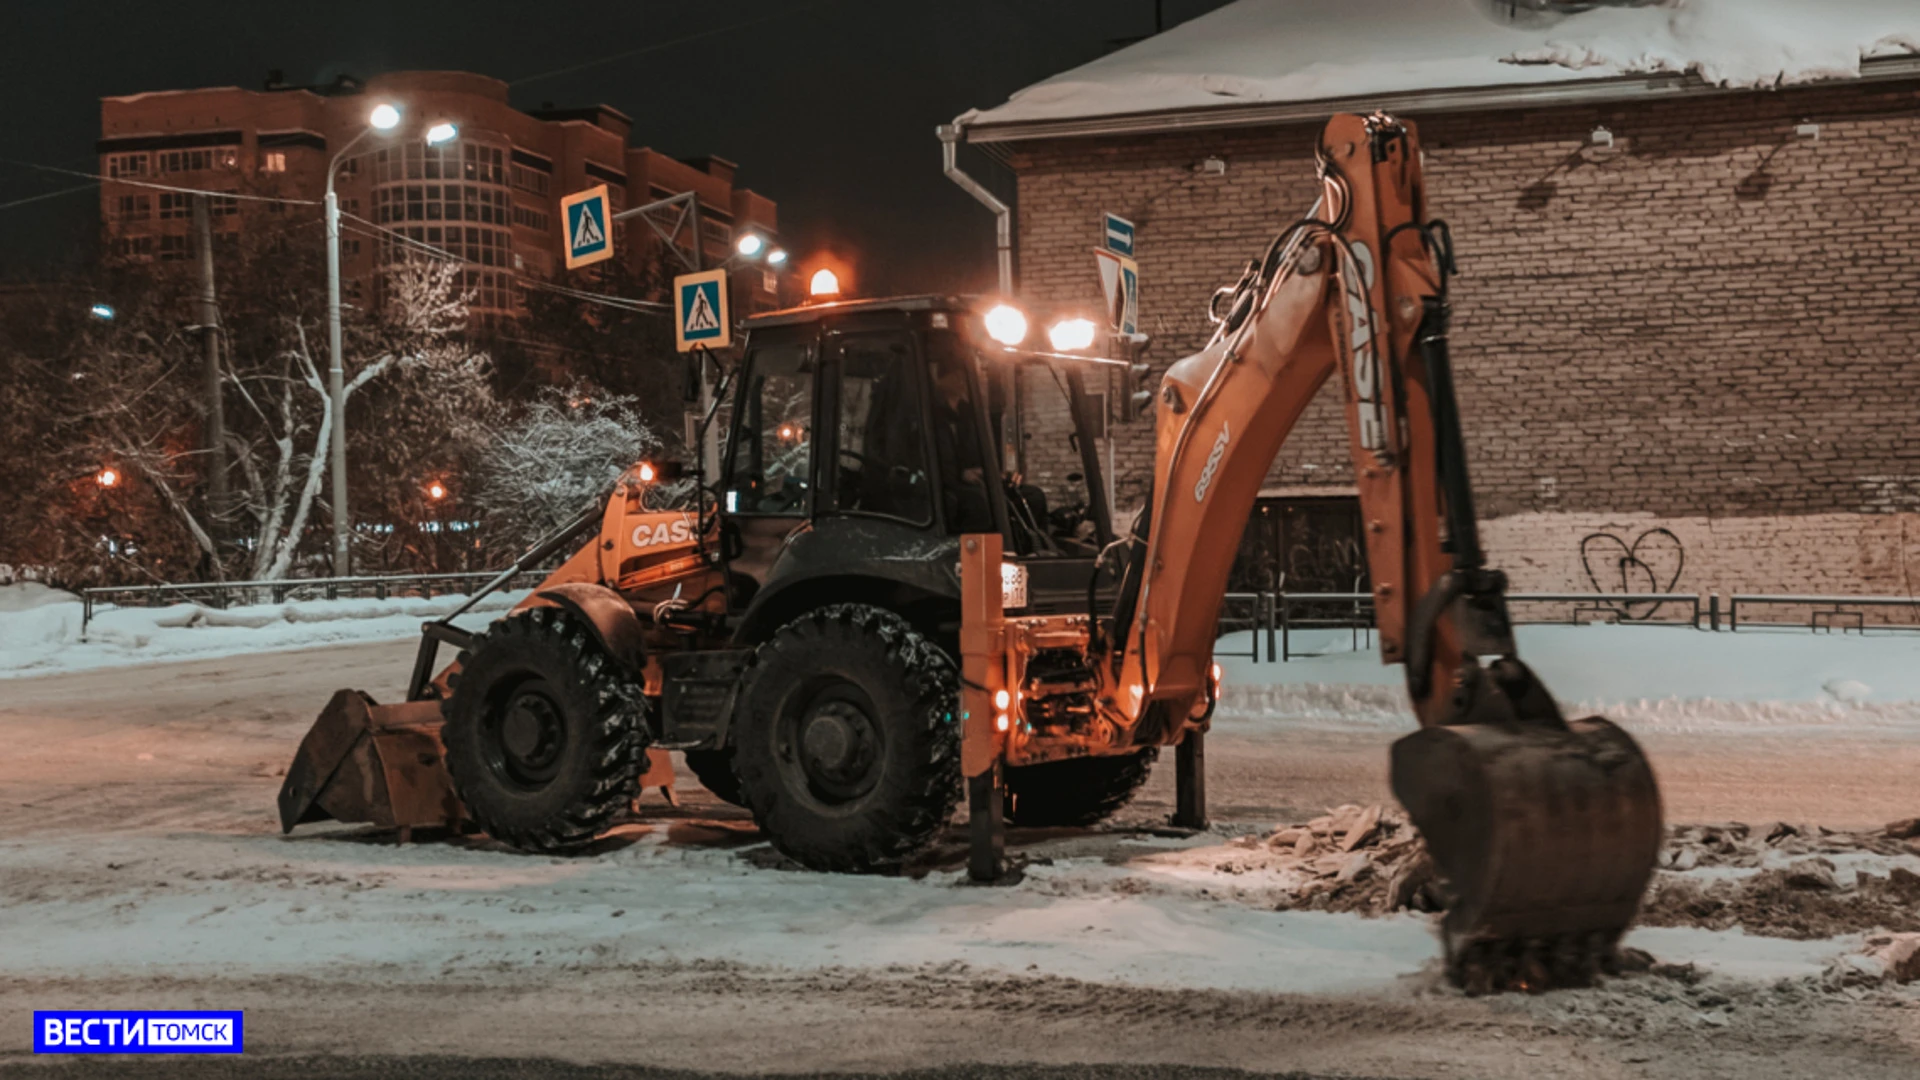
x: 419, y: 328
x: 135, y: 402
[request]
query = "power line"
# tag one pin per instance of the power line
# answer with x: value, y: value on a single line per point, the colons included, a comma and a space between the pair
x: 160, y: 187
x: 673, y: 43
x: 365, y: 227
x: 48, y: 195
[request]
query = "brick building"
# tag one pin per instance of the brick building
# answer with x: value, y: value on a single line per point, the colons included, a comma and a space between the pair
x: 1706, y: 328
x: 502, y: 179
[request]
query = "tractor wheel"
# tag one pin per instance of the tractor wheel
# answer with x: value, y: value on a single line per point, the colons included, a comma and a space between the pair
x: 714, y: 768
x: 546, y: 738
x: 1078, y: 791
x: 847, y: 741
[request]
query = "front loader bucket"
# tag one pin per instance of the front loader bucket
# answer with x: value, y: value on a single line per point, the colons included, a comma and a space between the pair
x: 382, y: 764
x: 1546, y: 837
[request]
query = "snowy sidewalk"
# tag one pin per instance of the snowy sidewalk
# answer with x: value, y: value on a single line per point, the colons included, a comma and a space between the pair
x: 40, y: 627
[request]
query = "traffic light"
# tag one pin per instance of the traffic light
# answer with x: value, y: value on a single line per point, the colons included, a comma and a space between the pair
x: 1140, y: 375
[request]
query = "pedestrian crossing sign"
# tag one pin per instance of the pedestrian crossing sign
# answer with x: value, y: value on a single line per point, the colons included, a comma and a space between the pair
x: 700, y: 315
x: 589, y: 237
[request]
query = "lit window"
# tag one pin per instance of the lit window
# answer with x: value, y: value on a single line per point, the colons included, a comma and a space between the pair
x: 273, y: 161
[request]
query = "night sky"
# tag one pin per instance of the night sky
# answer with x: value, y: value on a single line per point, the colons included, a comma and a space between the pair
x: 829, y: 107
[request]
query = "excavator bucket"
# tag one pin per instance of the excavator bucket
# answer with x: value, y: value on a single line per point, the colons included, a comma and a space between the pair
x: 383, y: 764
x: 1546, y: 836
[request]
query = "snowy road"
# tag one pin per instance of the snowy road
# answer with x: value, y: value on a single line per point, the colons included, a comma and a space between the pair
x: 143, y: 868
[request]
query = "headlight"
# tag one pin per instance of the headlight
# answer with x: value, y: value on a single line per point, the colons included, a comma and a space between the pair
x: 1006, y: 324
x: 1013, y: 586
x: 1071, y: 335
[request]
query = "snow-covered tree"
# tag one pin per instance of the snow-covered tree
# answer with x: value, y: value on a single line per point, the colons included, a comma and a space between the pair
x: 561, y: 455
x: 135, y: 400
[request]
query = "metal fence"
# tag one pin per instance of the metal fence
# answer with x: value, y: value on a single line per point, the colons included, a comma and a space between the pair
x: 1270, y: 617
x: 1274, y: 616
x: 1827, y: 612
x: 222, y: 594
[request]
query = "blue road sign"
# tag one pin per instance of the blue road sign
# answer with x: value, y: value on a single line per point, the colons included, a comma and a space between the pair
x: 1119, y: 235
x: 589, y: 239
x: 700, y: 311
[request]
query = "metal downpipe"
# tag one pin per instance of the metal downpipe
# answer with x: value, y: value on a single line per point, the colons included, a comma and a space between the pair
x: 1003, y: 214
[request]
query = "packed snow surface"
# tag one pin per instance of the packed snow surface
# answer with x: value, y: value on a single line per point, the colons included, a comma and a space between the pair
x: 1265, y: 51
x: 209, y: 904
x: 1648, y: 678
x: 40, y: 627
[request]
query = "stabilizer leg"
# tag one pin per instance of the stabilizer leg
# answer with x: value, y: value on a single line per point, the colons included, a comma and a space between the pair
x: 1190, y: 782
x: 986, y: 828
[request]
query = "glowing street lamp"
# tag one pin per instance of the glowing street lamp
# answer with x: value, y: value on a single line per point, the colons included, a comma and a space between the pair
x: 106, y: 478
x: 436, y: 491
x: 777, y: 257
x: 825, y: 283
x: 749, y: 244
x: 384, y: 119
x: 103, y: 312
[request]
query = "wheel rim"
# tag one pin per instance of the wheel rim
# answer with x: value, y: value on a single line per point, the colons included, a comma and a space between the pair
x: 527, y: 736
x: 829, y: 745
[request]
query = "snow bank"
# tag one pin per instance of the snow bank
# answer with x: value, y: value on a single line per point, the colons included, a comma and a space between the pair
x: 1265, y: 51
x: 40, y: 627
x: 1673, y: 678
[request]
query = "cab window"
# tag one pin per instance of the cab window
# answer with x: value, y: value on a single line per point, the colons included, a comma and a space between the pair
x: 881, y: 465
x: 771, y: 471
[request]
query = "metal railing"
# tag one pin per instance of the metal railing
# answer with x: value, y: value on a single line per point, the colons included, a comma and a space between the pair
x: 222, y: 594
x: 1825, y: 612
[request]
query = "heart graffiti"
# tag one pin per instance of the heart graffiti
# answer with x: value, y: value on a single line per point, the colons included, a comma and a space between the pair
x: 1651, y: 564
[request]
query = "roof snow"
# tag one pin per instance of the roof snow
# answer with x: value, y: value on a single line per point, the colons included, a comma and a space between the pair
x: 1257, y: 52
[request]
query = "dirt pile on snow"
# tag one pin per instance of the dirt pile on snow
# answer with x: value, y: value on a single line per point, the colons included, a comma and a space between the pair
x: 1365, y: 859
x: 1797, y: 890
x: 1371, y: 861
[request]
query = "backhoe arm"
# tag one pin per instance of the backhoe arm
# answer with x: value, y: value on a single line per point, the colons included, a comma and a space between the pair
x: 1354, y: 291
x: 1547, y: 830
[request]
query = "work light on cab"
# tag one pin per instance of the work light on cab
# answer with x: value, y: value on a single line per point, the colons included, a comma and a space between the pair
x: 1071, y: 335
x: 1006, y: 324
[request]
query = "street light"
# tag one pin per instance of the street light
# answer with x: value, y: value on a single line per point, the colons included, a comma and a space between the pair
x: 106, y: 478
x: 384, y: 118
x: 777, y: 257
x: 749, y: 244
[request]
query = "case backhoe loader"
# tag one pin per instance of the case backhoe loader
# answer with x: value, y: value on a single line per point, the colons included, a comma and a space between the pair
x: 867, y: 617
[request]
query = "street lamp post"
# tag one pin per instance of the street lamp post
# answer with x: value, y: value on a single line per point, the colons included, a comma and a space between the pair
x: 383, y: 118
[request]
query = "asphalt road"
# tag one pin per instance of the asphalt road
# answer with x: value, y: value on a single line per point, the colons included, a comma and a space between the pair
x: 448, y: 1068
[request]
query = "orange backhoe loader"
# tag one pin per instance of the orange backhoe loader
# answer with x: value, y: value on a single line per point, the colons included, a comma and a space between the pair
x: 867, y: 614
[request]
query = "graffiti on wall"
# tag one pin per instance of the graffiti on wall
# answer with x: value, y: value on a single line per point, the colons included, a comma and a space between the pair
x: 1651, y: 563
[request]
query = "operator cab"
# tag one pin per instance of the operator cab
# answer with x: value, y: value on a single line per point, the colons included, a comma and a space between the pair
x: 866, y: 437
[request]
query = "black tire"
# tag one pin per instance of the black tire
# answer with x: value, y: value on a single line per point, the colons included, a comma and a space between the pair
x: 1078, y: 791
x: 546, y: 737
x: 714, y: 769
x: 847, y: 739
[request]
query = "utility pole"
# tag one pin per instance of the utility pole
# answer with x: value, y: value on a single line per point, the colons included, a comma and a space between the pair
x: 208, y: 317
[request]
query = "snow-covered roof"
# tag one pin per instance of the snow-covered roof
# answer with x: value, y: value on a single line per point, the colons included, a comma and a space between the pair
x: 1270, y: 52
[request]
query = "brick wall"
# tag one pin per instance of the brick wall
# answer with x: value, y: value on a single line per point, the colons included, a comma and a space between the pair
x: 1721, y: 321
